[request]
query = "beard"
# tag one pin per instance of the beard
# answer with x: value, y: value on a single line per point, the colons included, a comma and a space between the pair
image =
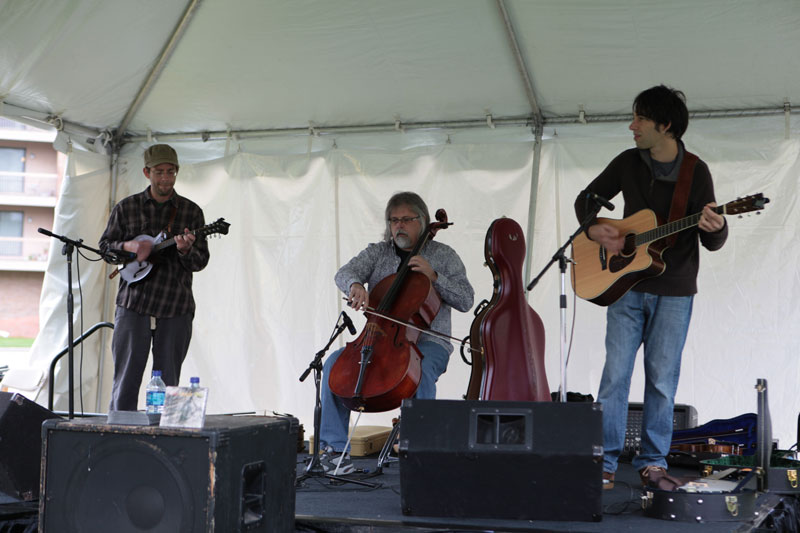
x: 402, y: 240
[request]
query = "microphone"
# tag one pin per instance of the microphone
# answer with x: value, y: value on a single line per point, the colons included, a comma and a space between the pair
x: 600, y: 200
x: 349, y: 323
x: 123, y: 254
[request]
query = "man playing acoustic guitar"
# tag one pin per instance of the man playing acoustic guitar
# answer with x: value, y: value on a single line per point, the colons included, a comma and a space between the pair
x: 160, y: 307
x: 659, y: 174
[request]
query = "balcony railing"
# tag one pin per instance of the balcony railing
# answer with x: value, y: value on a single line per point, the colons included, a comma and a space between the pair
x: 8, y: 124
x: 37, y: 184
x: 24, y: 253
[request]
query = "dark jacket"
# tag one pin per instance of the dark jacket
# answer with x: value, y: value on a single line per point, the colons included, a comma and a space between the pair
x: 631, y: 173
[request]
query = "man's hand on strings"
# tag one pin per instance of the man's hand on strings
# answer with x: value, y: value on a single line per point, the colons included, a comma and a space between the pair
x: 141, y: 248
x: 421, y: 265
x: 358, y: 297
x: 608, y: 237
x: 710, y: 221
x: 184, y: 242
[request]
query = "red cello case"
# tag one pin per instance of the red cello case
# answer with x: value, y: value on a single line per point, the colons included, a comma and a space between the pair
x: 509, y: 332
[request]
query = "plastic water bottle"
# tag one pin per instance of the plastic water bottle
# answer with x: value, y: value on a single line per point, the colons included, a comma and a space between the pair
x: 156, y: 392
x: 194, y: 382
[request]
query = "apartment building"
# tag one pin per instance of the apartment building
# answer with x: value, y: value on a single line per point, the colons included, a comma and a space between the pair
x: 30, y: 180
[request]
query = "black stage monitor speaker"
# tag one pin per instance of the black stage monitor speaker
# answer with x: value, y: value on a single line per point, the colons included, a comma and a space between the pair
x: 234, y: 475
x: 501, y: 460
x: 21, y: 445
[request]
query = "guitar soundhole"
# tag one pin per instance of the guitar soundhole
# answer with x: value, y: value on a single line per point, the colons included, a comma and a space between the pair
x: 626, y: 256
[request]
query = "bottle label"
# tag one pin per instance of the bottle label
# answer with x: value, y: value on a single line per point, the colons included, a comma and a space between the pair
x: 155, y: 401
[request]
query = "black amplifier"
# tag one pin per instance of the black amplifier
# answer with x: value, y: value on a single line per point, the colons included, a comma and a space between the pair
x: 683, y: 417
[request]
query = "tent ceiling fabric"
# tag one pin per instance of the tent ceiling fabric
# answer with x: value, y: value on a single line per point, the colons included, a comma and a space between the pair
x: 285, y: 64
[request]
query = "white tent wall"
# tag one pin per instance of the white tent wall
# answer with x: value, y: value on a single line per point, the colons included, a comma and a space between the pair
x: 80, y: 214
x: 254, y: 334
x: 267, y: 303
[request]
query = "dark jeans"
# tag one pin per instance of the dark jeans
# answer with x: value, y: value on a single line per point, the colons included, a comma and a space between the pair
x: 131, y: 348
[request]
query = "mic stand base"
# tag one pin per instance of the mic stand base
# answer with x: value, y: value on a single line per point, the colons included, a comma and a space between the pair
x: 314, y: 467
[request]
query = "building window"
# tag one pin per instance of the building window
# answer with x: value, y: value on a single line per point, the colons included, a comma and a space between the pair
x: 11, y: 226
x: 12, y: 168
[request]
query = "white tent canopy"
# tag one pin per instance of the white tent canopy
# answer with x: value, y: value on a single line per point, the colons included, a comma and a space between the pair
x: 296, y: 120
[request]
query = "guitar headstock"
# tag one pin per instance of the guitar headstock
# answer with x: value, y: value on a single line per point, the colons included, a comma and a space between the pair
x: 218, y: 226
x: 754, y: 202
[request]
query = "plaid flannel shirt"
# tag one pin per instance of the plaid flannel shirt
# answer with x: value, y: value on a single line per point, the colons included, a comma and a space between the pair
x: 167, y: 290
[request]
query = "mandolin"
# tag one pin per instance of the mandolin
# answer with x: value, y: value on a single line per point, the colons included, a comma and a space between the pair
x: 137, y: 270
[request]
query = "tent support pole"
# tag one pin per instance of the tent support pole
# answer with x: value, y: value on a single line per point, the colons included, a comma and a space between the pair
x: 166, y: 52
x: 106, y: 314
x: 524, y: 72
x: 534, y: 192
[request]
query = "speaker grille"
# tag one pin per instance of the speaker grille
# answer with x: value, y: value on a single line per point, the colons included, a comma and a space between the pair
x: 99, y: 477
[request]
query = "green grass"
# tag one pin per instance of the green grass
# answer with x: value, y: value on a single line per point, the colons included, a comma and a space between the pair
x: 15, y: 342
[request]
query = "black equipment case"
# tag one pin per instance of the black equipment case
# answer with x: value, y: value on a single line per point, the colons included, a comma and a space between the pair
x: 713, y: 499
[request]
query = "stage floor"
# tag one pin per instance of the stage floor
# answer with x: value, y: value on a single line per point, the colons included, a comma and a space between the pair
x: 333, y: 507
x: 325, y: 505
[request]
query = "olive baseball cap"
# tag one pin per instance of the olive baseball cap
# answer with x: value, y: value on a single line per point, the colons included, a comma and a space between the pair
x: 160, y: 153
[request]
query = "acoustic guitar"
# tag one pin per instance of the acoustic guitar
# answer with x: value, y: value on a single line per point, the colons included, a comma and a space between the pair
x: 603, y: 279
x: 138, y: 270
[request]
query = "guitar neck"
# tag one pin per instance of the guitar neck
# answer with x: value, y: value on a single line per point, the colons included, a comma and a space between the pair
x: 169, y: 242
x: 670, y: 228
x: 163, y: 244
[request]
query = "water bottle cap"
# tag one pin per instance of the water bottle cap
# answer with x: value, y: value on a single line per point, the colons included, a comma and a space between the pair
x: 194, y: 380
x: 156, y: 373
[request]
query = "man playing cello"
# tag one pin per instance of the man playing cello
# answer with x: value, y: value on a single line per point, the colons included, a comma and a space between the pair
x: 407, y: 219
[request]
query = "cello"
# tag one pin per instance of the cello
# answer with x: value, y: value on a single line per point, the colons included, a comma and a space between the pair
x: 382, y: 367
x: 510, y: 366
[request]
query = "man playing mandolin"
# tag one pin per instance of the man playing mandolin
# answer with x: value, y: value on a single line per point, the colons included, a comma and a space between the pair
x: 407, y: 220
x: 659, y: 174
x: 159, y: 308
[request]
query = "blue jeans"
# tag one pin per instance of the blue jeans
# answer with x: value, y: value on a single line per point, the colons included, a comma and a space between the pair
x: 336, y: 416
x: 661, y: 324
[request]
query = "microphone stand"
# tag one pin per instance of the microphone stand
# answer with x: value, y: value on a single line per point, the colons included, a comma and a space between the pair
x: 562, y: 266
x: 314, y: 467
x: 68, y: 248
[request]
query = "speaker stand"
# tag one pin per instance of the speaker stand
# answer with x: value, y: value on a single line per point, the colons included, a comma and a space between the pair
x: 315, y: 468
x: 383, y: 457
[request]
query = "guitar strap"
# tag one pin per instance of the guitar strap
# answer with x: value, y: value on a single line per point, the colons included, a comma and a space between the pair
x: 680, y: 196
x: 174, y: 212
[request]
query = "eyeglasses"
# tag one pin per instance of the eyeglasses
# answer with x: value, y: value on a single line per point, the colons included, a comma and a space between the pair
x: 161, y: 173
x: 404, y: 220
